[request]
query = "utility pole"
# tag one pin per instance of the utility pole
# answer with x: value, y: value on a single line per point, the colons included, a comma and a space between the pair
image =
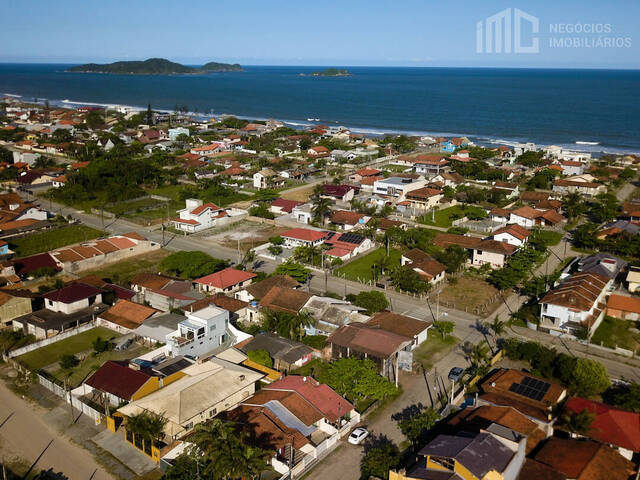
x: 438, y: 306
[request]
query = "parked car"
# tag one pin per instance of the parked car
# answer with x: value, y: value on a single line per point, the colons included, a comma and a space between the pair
x: 358, y: 435
x: 455, y: 374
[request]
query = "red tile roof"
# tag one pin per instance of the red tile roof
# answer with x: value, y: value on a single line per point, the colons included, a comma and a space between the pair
x: 225, y: 278
x: 118, y: 379
x: 610, y: 425
x: 514, y: 230
x: 304, y: 234
x: 285, y: 205
x: 624, y: 303
x: 72, y: 293
x: 372, y: 341
x: 367, y: 172
x: 321, y: 396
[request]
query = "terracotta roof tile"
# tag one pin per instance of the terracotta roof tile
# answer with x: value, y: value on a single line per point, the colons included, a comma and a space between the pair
x: 225, y: 278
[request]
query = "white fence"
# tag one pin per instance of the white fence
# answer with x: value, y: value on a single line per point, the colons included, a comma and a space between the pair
x: 68, y: 397
x: 48, y: 341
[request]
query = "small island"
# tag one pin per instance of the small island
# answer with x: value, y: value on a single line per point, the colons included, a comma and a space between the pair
x: 329, y: 72
x: 154, y: 66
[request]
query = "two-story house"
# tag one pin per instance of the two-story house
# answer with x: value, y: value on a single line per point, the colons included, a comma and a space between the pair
x: 578, y: 302
x: 201, y: 332
x: 197, y: 216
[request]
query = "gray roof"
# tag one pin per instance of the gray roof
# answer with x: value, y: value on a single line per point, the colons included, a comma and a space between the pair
x: 624, y: 225
x: 479, y: 454
x: 284, y: 349
x: 603, y: 264
x: 157, y: 328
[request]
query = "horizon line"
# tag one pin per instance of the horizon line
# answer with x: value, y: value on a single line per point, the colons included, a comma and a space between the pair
x: 531, y: 67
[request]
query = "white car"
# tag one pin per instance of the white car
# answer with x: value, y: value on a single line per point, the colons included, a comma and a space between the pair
x: 358, y: 435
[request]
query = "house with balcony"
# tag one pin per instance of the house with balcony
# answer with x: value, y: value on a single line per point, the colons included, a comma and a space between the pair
x: 197, y: 216
x: 424, y: 198
x: 398, y: 187
x: 578, y: 302
x: 297, y: 237
x: 200, y: 333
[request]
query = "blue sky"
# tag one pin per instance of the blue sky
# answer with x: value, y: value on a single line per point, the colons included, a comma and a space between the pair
x: 330, y: 32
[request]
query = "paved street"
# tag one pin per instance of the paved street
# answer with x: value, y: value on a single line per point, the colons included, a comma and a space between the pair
x: 25, y: 434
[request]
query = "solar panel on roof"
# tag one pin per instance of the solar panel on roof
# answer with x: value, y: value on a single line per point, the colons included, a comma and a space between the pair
x: 531, y: 388
x: 352, y: 238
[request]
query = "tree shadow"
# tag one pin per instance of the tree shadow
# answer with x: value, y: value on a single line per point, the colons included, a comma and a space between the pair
x: 409, y: 412
x: 375, y: 441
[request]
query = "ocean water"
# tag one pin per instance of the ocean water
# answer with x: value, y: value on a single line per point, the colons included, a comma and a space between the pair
x: 545, y: 106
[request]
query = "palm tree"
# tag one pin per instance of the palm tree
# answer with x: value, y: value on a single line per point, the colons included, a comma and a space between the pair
x: 478, y: 355
x: 249, y: 257
x: 147, y: 425
x: 321, y: 209
x: 306, y: 253
x: 226, y: 451
x: 302, y: 320
x: 497, y: 326
x: 579, y: 423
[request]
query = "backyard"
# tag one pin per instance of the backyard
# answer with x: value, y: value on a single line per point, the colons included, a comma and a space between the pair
x: 469, y: 293
x: 443, y: 218
x: 80, y: 345
x: 613, y: 333
x: 360, y: 270
x: 52, y: 239
x: 37, y: 359
x: 121, y: 272
x: 434, y: 349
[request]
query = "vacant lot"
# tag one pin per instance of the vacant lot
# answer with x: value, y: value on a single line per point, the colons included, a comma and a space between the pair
x: 52, y: 239
x: 249, y: 234
x: 614, y: 333
x: 51, y: 353
x: 469, y: 293
x: 122, y: 272
x: 444, y: 217
x: 300, y: 194
x: 434, y: 349
x: 360, y: 269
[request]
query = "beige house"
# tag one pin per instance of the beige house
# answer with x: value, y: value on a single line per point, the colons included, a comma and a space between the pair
x: 13, y: 306
x: 633, y: 279
x: 207, y: 389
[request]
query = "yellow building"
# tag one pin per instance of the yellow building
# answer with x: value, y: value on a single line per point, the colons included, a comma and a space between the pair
x: 496, y: 453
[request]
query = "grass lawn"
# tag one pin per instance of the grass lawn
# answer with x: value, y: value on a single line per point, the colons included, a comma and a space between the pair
x: 91, y: 363
x: 613, y: 332
x: 51, y: 353
x: 549, y: 237
x: 444, y: 217
x: 434, y: 349
x: 360, y: 269
x: 52, y: 239
x: 121, y: 272
x: 468, y: 292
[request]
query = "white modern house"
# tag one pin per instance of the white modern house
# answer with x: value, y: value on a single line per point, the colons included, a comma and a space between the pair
x: 201, y: 332
x: 197, y: 216
x: 174, y: 133
x: 297, y: 237
x: 512, y: 234
x: 578, y: 302
x: 398, y: 186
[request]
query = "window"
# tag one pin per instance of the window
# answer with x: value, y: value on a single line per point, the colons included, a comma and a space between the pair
x: 212, y: 412
x: 445, y: 462
x: 188, y: 426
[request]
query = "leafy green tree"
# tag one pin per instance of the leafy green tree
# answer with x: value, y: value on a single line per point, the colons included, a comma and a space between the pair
x: 453, y: 258
x: 443, y: 327
x: 372, y: 301
x: 409, y: 280
x: 192, y: 264
x: 414, y: 428
x: 605, y: 207
x: 94, y: 120
x: 579, y: 423
x: 629, y: 399
x: 100, y: 345
x: 293, y: 269
x: 530, y: 159
x: 379, y: 459
x: 149, y: 115
x: 261, y: 210
x: 265, y: 195
x: 573, y: 205
x: 589, y: 377
x: 275, y: 250
x: 68, y: 361
x: 357, y: 380
x: 306, y: 253
x: 260, y: 356
x: 278, y: 240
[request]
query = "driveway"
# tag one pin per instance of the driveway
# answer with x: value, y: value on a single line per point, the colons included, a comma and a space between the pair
x: 25, y: 434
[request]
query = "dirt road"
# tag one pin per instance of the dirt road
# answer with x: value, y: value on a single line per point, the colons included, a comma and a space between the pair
x: 24, y: 434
